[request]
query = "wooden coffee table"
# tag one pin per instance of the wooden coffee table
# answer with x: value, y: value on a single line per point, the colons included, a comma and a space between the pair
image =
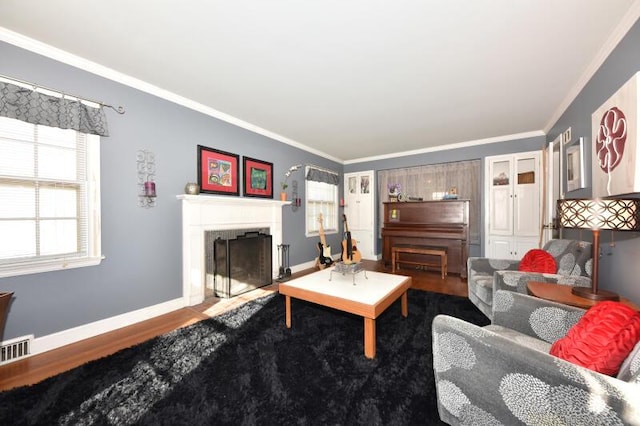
x: 366, y: 296
x: 562, y: 294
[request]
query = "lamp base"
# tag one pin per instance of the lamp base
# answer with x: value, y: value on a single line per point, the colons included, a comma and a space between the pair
x: 588, y: 293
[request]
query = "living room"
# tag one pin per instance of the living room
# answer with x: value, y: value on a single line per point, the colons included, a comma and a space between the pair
x: 141, y: 273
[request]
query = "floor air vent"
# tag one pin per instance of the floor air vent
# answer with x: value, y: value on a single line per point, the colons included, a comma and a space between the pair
x: 14, y: 349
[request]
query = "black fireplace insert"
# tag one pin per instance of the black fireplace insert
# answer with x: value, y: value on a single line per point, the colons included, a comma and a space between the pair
x: 242, y: 263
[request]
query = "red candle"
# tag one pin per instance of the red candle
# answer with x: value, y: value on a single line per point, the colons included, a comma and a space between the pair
x: 150, y: 189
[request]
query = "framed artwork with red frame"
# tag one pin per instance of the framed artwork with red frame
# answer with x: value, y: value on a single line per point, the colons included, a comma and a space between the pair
x: 218, y: 171
x: 258, y: 178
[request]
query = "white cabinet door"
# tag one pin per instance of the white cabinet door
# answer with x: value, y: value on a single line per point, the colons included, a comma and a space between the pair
x: 501, y: 196
x: 522, y: 245
x: 499, y: 248
x: 527, y: 200
x: 513, y: 212
x: 501, y: 212
x: 510, y: 247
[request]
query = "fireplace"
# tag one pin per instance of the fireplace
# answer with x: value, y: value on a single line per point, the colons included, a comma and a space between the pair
x: 237, y: 261
x: 202, y: 213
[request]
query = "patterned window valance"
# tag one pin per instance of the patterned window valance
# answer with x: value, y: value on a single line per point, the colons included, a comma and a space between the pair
x: 320, y: 175
x: 38, y: 108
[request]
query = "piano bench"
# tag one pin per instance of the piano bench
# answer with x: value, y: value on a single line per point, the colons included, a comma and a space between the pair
x: 421, y: 250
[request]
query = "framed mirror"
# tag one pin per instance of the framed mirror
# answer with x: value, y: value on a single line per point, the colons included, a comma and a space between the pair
x: 574, y: 158
x: 553, y: 187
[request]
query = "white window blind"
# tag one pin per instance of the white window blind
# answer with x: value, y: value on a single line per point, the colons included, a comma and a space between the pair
x: 321, y: 198
x: 49, y: 203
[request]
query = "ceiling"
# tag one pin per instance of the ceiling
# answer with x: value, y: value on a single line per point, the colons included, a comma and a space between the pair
x: 347, y: 79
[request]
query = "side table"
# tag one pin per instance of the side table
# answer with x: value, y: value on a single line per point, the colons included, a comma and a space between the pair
x: 562, y: 294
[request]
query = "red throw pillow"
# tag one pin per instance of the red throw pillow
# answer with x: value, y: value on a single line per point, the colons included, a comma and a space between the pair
x: 537, y: 260
x: 602, y: 338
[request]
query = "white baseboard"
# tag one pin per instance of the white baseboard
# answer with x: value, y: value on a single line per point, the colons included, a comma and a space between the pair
x: 85, y: 331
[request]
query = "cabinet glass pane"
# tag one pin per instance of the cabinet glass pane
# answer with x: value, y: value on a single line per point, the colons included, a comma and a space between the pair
x: 364, y: 184
x: 352, y: 185
x: 526, y: 171
x: 501, y: 173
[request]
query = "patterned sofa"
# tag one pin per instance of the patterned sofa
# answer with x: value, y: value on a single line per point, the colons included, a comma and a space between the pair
x: 486, y: 276
x: 502, y: 374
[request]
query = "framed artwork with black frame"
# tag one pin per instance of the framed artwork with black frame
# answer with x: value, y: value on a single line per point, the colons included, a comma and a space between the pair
x: 218, y: 171
x: 258, y: 178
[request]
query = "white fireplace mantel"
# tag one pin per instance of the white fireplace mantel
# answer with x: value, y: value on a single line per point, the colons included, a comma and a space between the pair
x: 208, y: 212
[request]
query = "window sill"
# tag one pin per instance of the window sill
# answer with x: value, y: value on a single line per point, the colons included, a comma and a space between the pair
x: 317, y: 234
x: 47, y: 266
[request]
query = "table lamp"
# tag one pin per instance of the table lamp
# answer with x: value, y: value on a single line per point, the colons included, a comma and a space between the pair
x: 597, y: 214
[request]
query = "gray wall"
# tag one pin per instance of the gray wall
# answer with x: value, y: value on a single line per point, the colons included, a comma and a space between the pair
x: 143, y: 247
x: 459, y: 154
x: 619, y: 264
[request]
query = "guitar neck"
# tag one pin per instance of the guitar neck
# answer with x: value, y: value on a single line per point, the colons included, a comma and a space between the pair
x: 322, y: 239
x: 321, y: 231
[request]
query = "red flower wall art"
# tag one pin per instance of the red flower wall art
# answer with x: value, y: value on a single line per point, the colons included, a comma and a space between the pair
x: 615, y: 160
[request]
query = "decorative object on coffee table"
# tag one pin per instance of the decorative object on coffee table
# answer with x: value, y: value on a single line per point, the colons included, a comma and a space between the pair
x: 596, y: 214
x: 348, y: 268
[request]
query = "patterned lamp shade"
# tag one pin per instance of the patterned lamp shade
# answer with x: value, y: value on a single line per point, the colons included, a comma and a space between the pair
x: 596, y: 214
x: 610, y: 214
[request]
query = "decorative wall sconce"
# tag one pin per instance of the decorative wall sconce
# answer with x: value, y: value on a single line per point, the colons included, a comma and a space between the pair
x: 146, y: 178
x: 296, y: 202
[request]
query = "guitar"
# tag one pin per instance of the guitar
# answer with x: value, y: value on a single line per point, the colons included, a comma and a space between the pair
x: 324, y: 257
x: 350, y: 253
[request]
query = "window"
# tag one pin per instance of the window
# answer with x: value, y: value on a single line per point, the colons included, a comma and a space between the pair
x: 321, y: 198
x: 49, y: 198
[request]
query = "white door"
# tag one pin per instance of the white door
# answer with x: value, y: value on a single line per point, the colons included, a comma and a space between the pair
x: 359, y: 209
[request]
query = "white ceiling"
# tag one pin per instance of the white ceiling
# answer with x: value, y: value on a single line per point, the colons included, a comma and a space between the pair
x: 349, y: 79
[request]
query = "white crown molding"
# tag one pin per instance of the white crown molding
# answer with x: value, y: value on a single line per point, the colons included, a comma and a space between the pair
x: 506, y: 138
x: 615, y: 37
x: 51, y: 52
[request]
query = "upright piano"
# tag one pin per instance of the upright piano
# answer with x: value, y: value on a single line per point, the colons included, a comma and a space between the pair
x: 429, y: 223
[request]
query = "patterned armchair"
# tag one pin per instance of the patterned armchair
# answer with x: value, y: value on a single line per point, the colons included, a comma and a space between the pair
x: 502, y: 374
x: 486, y: 276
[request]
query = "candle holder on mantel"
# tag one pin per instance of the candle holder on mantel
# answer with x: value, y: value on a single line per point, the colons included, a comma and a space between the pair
x: 146, y: 178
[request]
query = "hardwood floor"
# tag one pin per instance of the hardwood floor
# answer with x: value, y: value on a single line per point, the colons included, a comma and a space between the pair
x: 39, y: 367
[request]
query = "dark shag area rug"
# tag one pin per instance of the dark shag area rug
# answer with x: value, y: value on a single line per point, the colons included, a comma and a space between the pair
x: 245, y: 367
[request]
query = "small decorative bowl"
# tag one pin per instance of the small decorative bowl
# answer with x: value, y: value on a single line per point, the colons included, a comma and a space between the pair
x: 192, y: 188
